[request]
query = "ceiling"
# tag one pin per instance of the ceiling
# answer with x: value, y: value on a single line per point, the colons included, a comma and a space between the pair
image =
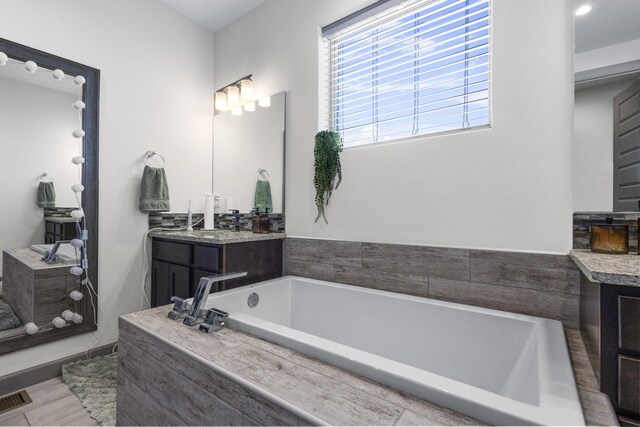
x: 212, y: 14
x: 609, y: 22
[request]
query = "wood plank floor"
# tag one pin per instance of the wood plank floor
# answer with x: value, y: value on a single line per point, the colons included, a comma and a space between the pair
x: 53, y: 404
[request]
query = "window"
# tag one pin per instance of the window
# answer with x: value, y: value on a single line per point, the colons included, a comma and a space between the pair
x: 412, y: 69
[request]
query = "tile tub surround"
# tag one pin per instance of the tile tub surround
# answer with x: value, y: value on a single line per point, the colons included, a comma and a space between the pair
x: 526, y: 283
x: 220, y: 237
x: 221, y: 221
x: 171, y: 375
x: 582, y: 227
x: 612, y: 269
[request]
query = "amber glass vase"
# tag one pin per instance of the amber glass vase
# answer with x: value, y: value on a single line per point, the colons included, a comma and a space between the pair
x: 610, y: 238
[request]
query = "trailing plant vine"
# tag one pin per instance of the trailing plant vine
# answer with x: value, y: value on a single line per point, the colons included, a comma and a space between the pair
x: 327, y: 166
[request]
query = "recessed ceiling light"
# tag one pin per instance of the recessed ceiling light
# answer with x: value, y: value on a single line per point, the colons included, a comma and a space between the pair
x: 583, y: 10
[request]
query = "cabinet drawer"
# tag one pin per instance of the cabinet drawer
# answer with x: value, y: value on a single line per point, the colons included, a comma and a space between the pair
x: 49, y: 227
x: 206, y: 257
x: 629, y: 327
x: 177, y: 253
x: 629, y: 384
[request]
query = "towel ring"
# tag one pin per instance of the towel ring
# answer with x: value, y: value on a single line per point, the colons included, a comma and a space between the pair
x: 43, y: 175
x: 263, y: 175
x: 150, y: 154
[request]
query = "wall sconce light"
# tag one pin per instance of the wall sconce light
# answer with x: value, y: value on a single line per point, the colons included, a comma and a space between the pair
x: 221, y: 101
x: 239, y: 96
x: 233, y: 96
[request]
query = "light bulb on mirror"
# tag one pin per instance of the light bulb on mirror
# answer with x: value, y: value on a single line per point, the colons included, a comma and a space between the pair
x: 77, y: 214
x: 76, y: 295
x: 67, y: 315
x: 58, y: 322
x: 3, y: 58
x: 78, y: 133
x: 76, y: 271
x: 31, y: 328
x: 58, y: 74
x: 77, y: 188
x: 265, y: 101
x: 79, y: 80
x: 77, y: 318
x: 236, y: 111
x: 76, y: 243
x: 30, y: 66
x: 78, y: 160
x: 79, y: 105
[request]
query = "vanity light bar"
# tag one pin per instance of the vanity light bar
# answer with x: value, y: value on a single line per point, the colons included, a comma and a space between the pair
x: 239, y: 96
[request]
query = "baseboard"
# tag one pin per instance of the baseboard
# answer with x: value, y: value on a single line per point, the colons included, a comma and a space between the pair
x: 37, y: 374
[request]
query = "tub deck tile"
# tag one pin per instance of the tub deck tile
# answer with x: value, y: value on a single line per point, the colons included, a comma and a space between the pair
x: 328, y: 393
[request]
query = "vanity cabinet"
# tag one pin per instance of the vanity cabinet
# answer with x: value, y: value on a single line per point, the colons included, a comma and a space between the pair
x: 56, y: 230
x: 610, y: 323
x: 178, y: 265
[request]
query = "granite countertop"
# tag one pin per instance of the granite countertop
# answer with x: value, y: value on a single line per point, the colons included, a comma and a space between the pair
x: 59, y: 219
x: 220, y: 237
x: 324, y: 392
x: 611, y: 269
x: 33, y: 259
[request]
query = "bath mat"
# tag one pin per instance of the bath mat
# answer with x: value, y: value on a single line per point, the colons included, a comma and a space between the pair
x: 94, y: 382
x: 8, y: 319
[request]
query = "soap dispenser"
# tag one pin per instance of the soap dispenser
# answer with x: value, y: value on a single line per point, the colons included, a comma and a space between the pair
x: 265, y: 222
x: 255, y: 220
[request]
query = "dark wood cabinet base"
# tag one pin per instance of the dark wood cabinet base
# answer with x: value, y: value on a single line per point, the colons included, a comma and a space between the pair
x: 177, y: 266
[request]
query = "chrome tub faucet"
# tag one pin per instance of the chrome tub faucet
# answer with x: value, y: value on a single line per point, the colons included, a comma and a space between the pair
x: 197, y: 315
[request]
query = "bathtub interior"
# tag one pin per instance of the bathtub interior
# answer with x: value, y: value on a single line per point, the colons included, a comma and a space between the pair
x: 494, y: 353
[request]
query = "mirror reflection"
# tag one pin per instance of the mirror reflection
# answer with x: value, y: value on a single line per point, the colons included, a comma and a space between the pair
x: 248, y: 158
x: 39, y: 113
x: 606, y: 153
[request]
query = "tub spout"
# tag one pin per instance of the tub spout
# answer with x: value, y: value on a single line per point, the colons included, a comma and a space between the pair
x: 202, y: 293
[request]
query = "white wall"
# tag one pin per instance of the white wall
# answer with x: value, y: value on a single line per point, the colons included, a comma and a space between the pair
x: 593, y: 146
x: 35, y: 137
x: 156, y: 93
x: 504, y: 188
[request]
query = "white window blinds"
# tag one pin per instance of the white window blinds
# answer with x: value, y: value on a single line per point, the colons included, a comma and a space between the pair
x: 411, y: 70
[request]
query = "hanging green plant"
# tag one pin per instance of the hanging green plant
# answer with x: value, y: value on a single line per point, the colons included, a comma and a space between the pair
x: 327, y: 166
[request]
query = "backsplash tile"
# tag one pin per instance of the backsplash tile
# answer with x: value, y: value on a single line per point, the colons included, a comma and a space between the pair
x: 582, y: 227
x: 58, y: 212
x: 221, y: 221
x: 527, y: 283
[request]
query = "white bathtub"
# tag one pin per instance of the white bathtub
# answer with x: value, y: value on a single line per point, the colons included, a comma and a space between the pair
x: 498, y: 367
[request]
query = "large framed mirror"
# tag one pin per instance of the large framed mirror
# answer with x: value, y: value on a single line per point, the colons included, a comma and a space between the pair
x: 49, y: 230
x: 248, y: 154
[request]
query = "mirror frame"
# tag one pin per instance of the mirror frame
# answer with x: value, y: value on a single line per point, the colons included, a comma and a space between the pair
x: 90, y: 115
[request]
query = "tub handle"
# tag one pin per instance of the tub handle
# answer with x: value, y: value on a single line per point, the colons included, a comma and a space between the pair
x: 213, y: 320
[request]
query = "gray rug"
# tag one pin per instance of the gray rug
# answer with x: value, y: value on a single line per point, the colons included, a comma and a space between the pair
x: 8, y: 319
x: 94, y: 382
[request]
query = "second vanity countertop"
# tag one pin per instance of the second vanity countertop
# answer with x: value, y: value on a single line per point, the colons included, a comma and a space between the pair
x: 59, y: 219
x: 220, y: 237
x: 611, y: 269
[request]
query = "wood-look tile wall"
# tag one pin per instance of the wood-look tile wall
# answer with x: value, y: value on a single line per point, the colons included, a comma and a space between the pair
x: 527, y: 283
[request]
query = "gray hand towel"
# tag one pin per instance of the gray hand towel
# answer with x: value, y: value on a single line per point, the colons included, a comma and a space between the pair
x: 263, y: 196
x: 46, y: 195
x: 154, y: 191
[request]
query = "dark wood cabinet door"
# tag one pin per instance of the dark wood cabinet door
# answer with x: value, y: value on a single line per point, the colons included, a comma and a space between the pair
x: 160, y: 285
x: 180, y: 281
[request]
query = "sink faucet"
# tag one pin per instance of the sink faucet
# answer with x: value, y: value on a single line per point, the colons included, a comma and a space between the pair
x: 202, y: 293
x: 235, y: 214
